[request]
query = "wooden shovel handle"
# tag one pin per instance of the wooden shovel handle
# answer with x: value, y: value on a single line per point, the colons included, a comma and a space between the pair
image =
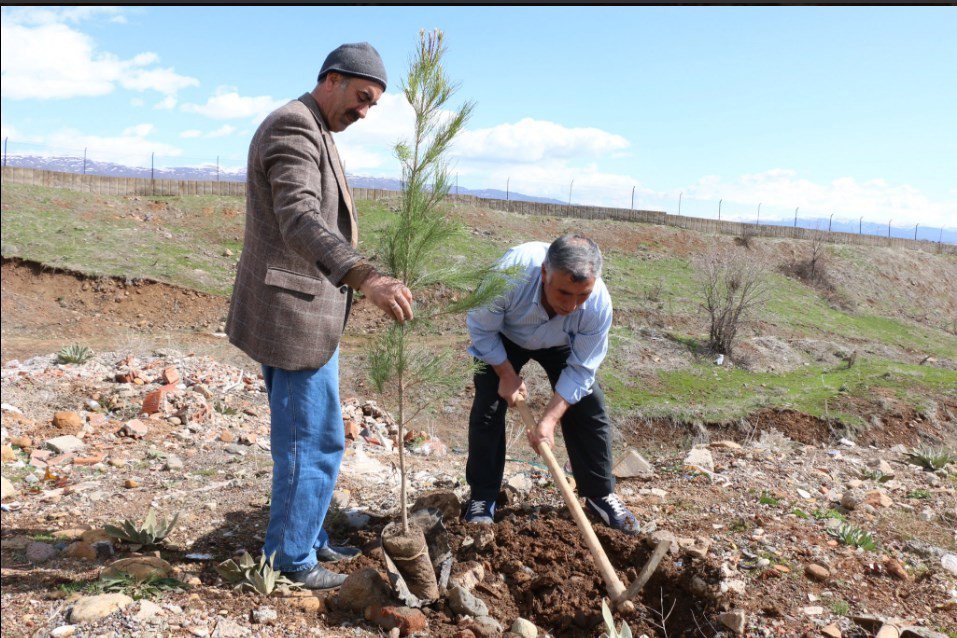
x: 613, y: 584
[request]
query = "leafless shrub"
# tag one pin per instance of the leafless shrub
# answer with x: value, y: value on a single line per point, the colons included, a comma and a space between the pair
x: 734, y: 286
x: 746, y: 238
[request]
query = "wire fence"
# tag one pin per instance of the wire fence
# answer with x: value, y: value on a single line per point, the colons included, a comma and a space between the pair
x: 166, y: 170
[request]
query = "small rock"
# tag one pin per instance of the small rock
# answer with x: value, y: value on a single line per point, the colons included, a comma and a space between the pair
x: 7, y: 455
x: 229, y: 628
x: 813, y: 610
x: 727, y: 445
x: 94, y: 536
x: 486, y: 627
x: 463, y: 602
x: 134, y: 428
x: 470, y: 575
x: 263, y: 616
x: 736, y: 621
x: 446, y: 502
x: 138, y: 568
x: 520, y: 483
x: 63, y: 631
x: 832, y: 631
x: 21, y: 441
x: 173, y: 462
x: 817, y: 572
x: 226, y: 436
x: 40, y: 552
x: 154, y: 402
x: 878, y: 498
x: 7, y: 490
x: 89, y: 608
x: 170, y: 376
x: 631, y: 465
x: 664, y: 536
x: 131, y: 484
x: 69, y: 422
x: 364, y: 588
x: 406, y: 619
x: 896, y: 569
x: 65, y: 444
x: 700, y: 459
x: 524, y: 628
x: 949, y: 563
x: 235, y: 449
x: 852, y: 499
x: 148, y: 609
x: 81, y: 550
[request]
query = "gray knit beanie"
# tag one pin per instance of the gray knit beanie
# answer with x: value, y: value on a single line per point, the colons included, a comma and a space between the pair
x: 359, y: 59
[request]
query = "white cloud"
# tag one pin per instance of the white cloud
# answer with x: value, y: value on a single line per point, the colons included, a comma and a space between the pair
x: 222, y: 131
x: 366, y: 146
x: 132, y: 147
x: 228, y: 104
x: 531, y: 140
x: 191, y: 134
x: 846, y: 197
x: 137, y: 101
x: 43, y: 58
x: 167, y: 103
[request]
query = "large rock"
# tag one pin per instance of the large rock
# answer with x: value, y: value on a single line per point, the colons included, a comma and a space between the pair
x: 7, y: 490
x: 68, y: 422
x: 524, y: 628
x: 405, y: 619
x: 40, y: 552
x: 632, y: 465
x: 90, y: 608
x: 138, y: 568
x: 446, y: 502
x: 700, y: 459
x: 362, y: 589
x: 465, y: 603
x: 736, y: 621
x: 65, y: 444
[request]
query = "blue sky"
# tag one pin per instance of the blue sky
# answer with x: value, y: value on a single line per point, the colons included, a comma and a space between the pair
x: 843, y: 110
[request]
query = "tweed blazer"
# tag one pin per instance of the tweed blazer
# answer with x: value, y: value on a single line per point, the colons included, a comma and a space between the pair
x: 289, y: 307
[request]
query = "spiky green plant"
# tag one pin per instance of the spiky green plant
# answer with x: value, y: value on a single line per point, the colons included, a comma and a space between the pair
x: 411, y: 247
x: 848, y: 534
x: 74, y: 353
x: 931, y: 459
x: 150, y: 532
x: 624, y: 631
x: 252, y: 575
x: 138, y: 589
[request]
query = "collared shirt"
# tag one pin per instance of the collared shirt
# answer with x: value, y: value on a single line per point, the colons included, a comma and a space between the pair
x: 520, y: 316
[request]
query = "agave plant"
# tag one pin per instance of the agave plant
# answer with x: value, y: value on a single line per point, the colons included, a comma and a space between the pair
x: 149, y: 532
x: 74, y: 353
x: 931, y: 459
x: 854, y: 536
x: 624, y: 631
x: 252, y: 575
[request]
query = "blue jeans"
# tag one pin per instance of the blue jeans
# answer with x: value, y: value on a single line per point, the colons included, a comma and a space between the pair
x: 308, y: 441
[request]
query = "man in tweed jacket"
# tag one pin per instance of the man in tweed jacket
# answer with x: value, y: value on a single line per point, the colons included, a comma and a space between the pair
x: 292, y: 295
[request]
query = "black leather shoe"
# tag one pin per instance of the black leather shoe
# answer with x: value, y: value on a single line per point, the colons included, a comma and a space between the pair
x: 331, y: 553
x: 316, y: 578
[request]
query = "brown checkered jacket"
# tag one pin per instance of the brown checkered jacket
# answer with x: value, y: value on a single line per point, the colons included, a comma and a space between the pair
x: 289, y: 306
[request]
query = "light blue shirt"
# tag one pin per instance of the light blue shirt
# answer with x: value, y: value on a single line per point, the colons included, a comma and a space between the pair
x: 520, y: 316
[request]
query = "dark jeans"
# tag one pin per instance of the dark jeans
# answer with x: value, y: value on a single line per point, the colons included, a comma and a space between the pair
x: 585, y: 426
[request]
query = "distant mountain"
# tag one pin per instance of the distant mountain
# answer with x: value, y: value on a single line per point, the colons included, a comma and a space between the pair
x: 929, y: 233
x: 209, y: 173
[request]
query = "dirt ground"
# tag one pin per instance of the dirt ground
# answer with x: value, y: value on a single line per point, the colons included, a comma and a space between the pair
x: 761, y: 513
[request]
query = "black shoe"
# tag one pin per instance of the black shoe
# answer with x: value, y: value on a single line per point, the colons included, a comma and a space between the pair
x: 481, y: 512
x: 331, y: 553
x: 613, y: 513
x: 316, y: 578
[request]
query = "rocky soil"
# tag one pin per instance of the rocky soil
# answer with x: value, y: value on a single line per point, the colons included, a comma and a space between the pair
x: 761, y: 522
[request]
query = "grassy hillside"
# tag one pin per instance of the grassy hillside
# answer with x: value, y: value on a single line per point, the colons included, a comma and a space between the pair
x: 896, y: 317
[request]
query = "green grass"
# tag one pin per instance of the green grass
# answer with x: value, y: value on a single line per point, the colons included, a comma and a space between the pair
x: 185, y: 240
x: 720, y: 394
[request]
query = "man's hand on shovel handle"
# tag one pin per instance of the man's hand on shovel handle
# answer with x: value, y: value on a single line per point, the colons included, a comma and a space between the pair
x: 543, y: 431
x: 510, y: 385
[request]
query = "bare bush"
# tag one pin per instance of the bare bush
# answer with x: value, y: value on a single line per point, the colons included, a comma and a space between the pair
x: 746, y: 238
x: 733, y: 287
x: 813, y: 269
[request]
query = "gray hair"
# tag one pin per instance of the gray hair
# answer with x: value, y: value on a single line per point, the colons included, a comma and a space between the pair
x: 576, y: 255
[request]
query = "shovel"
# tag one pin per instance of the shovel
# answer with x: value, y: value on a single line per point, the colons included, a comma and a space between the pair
x: 617, y: 592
